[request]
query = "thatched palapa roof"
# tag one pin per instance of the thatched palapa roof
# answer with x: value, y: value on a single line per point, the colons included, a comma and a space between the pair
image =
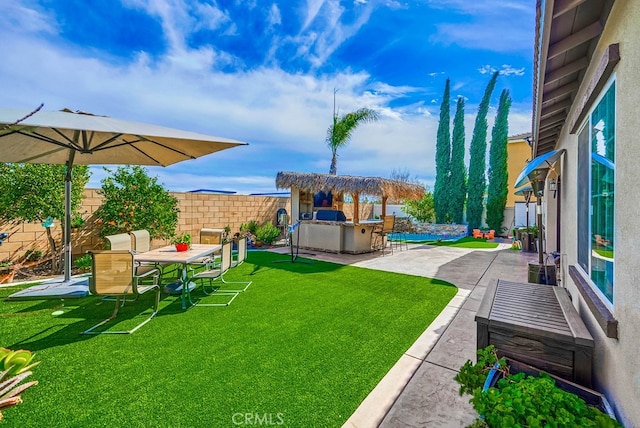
x: 373, y: 186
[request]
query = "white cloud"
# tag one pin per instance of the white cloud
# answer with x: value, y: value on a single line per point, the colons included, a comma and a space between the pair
x: 274, y: 18
x: 506, y: 70
x: 25, y: 20
x: 209, y: 17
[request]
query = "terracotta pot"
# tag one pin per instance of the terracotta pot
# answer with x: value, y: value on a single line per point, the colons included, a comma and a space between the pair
x: 182, y: 247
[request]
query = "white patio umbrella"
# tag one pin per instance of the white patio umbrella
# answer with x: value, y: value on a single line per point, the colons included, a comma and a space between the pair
x: 70, y: 138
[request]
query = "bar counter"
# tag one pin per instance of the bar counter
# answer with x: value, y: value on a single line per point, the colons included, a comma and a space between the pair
x: 336, y: 236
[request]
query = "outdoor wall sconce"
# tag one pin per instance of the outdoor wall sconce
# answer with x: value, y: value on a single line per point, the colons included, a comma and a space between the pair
x: 553, y: 187
x: 3, y: 236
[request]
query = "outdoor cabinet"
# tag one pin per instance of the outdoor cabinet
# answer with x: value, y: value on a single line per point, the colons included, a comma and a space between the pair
x: 538, y: 325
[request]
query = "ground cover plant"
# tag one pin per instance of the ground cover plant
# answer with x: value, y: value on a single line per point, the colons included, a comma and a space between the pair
x: 304, y: 345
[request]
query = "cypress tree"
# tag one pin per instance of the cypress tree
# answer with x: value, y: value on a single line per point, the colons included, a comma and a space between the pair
x: 498, y: 174
x: 477, y: 161
x: 443, y: 154
x: 458, y: 178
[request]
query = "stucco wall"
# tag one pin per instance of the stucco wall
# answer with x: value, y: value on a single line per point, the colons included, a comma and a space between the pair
x: 197, y: 210
x: 616, y: 362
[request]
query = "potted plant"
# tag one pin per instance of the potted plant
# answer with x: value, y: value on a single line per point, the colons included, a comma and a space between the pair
x: 505, y: 394
x: 182, y: 241
x: 267, y: 233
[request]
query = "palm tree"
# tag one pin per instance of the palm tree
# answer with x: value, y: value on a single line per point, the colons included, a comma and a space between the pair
x: 339, y: 134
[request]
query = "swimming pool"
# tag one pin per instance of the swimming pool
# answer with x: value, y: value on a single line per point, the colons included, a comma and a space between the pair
x: 421, y: 237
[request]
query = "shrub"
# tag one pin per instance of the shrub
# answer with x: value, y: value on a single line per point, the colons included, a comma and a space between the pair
x: 83, y: 262
x: 267, y: 233
x: 32, y: 255
x: 133, y: 201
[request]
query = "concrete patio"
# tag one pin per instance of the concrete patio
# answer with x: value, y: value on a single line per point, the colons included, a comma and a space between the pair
x: 419, y: 391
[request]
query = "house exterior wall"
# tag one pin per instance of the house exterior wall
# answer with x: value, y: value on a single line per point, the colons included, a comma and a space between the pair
x: 197, y: 211
x: 518, y: 154
x: 616, y: 362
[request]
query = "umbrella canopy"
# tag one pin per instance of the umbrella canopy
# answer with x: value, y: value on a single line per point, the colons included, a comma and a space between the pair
x: 65, y: 137
x: 51, y: 136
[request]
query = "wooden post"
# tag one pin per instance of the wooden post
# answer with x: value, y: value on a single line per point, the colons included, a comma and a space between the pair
x: 384, y: 206
x: 356, y: 208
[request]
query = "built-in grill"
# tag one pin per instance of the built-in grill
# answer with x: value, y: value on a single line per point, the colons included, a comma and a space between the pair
x: 330, y: 215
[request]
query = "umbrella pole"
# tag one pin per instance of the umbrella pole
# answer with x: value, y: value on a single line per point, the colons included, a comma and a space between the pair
x: 67, y: 218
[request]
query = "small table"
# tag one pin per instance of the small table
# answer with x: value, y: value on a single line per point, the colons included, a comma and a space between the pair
x: 169, y: 254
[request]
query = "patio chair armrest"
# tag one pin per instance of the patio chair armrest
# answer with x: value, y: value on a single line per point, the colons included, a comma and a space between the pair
x: 155, y: 272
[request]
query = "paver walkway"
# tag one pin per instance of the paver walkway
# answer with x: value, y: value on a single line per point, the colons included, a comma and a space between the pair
x: 419, y: 391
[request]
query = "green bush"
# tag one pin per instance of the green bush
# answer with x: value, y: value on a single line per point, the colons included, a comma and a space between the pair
x: 267, y: 233
x: 250, y: 227
x: 32, y: 255
x: 134, y: 201
x: 83, y: 262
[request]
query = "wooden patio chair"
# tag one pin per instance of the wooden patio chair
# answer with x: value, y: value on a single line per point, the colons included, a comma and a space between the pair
x: 113, y: 275
x: 477, y: 233
x: 490, y: 234
x: 215, y: 272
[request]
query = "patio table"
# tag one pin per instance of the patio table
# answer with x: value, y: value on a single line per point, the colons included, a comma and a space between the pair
x: 169, y: 254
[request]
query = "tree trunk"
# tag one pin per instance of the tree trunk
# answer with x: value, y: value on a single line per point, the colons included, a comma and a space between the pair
x: 334, y: 163
x: 55, y: 261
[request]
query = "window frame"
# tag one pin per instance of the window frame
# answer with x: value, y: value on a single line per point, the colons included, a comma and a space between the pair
x: 588, y: 125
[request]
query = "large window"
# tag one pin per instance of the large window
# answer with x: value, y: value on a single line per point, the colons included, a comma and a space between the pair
x: 596, y: 159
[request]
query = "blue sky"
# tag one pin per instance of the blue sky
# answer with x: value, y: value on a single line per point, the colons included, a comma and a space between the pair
x: 264, y: 72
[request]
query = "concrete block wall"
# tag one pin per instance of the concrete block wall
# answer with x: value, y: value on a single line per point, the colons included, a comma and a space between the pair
x: 197, y: 210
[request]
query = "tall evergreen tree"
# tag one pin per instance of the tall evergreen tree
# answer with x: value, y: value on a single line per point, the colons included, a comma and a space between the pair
x: 477, y: 161
x: 443, y: 159
x: 458, y: 177
x: 498, y: 174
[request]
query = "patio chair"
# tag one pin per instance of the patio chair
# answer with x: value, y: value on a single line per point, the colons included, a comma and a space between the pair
x: 400, y: 234
x: 121, y: 241
x: 114, y: 275
x: 208, y: 237
x: 211, y: 236
x: 142, y: 244
x: 380, y: 233
x: 490, y: 234
x: 240, y: 258
x: 477, y: 233
x: 241, y: 255
x: 215, y: 272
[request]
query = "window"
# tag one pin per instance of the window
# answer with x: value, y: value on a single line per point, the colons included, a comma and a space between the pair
x: 596, y: 159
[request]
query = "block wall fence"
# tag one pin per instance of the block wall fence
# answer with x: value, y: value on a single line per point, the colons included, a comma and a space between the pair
x: 197, y: 210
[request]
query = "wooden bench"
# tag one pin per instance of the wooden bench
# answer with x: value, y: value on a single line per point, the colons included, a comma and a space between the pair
x: 538, y: 325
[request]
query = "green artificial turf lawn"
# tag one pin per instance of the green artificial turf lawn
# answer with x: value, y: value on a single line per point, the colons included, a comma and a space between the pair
x: 303, y: 346
x: 466, y: 242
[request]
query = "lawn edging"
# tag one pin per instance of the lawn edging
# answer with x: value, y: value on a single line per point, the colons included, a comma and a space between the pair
x: 377, y: 404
